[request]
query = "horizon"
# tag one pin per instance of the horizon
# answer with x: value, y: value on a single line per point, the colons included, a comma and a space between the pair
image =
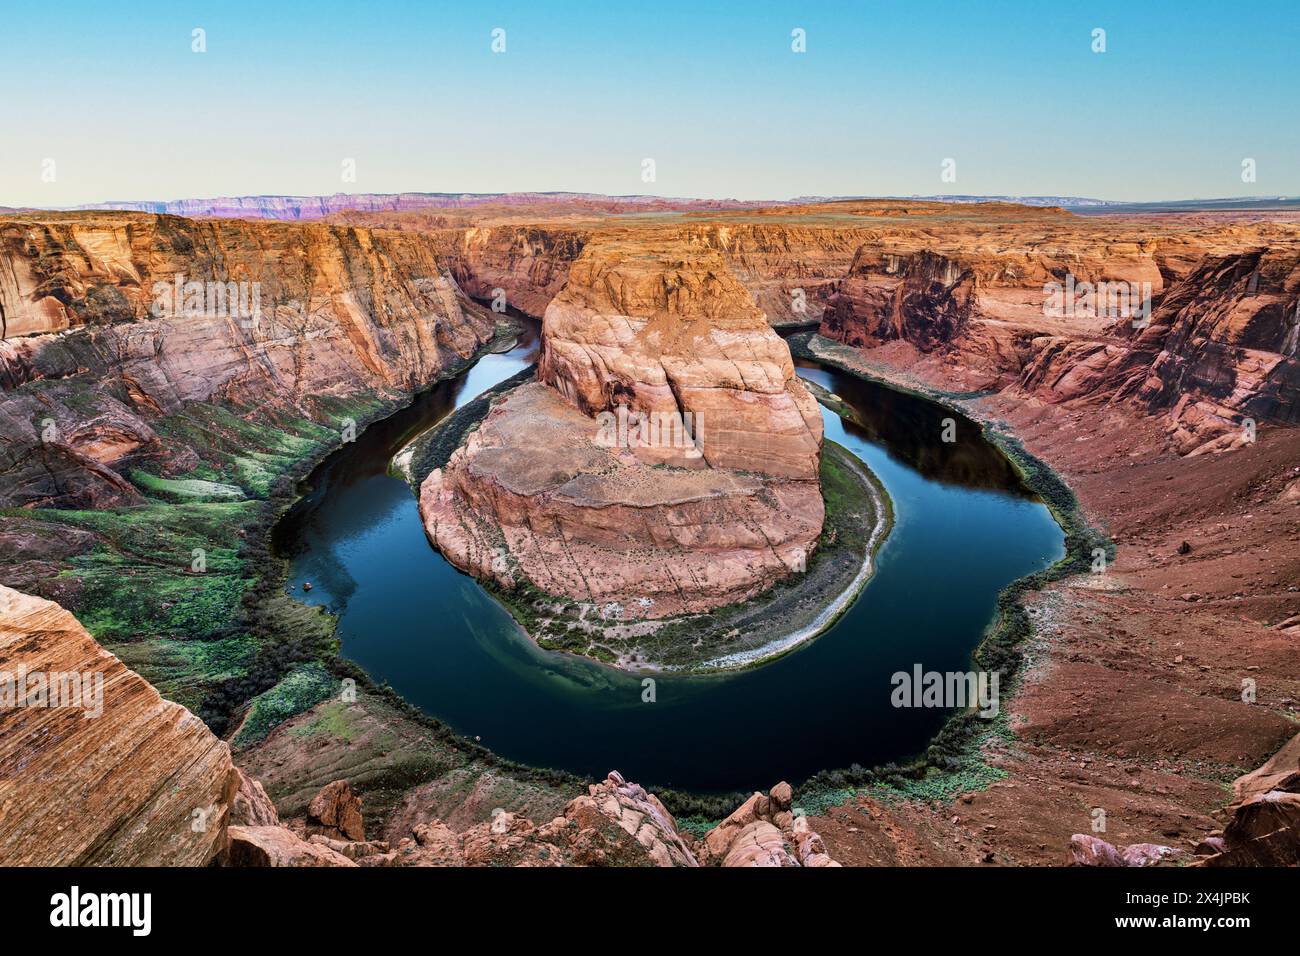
x: 880, y: 102
x: 107, y: 205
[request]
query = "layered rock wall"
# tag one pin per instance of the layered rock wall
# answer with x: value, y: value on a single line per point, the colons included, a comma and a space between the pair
x: 659, y: 333
x: 115, y: 320
x: 1220, y: 348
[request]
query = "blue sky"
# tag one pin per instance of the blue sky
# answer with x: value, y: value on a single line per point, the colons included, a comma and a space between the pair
x: 711, y: 92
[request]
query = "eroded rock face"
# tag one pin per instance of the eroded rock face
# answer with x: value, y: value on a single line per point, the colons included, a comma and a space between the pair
x: 925, y: 299
x: 277, y: 846
x: 1221, y: 347
x: 662, y: 332
x: 339, y: 311
x: 970, y: 296
x: 615, y: 824
x: 763, y: 831
x: 525, y: 266
x: 124, y: 778
x: 1264, y: 824
x: 251, y: 806
x: 335, y: 813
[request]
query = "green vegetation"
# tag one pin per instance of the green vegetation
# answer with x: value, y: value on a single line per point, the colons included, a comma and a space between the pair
x: 185, y: 489
x: 300, y: 690
x: 183, y: 587
x: 160, y: 569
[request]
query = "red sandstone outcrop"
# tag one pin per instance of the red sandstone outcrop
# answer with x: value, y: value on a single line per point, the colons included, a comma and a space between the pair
x: 615, y: 824
x: 1221, y: 347
x: 1263, y: 828
x: 972, y: 298
x: 335, y: 813
x: 763, y: 831
x: 533, y: 495
x: 672, y: 332
x: 251, y: 806
x: 115, y: 776
x: 527, y: 265
x: 277, y: 846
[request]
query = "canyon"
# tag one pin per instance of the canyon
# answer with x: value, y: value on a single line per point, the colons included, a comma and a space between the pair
x: 130, y: 440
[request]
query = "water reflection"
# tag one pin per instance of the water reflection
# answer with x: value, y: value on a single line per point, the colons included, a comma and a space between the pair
x: 913, y: 429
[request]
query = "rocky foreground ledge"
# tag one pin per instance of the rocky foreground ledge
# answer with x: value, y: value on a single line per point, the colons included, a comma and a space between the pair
x: 123, y: 777
x: 615, y: 823
x: 116, y: 777
x: 141, y: 781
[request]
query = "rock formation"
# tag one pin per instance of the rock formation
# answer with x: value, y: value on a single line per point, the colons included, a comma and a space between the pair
x: 763, y: 831
x: 336, y: 813
x: 251, y: 806
x: 274, y: 846
x: 1088, y: 850
x: 1263, y: 828
x: 615, y: 824
x: 1221, y: 347
x: 659, y: 332
x: 647, y: 361
x: 111, y: 776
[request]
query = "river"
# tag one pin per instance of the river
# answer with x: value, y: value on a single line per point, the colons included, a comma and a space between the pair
x: 965, y: 528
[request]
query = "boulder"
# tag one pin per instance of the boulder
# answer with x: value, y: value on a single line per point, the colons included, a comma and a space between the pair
x: 251, y: 806
x: 745, y: 838
x: 277, y: 846
x: 336, y: 813
x: 1086, y: 850
x: 759, y: 844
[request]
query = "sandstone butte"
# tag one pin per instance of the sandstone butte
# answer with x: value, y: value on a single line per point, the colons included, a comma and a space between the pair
x: 537, y: 492
x: 1135, y: 703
